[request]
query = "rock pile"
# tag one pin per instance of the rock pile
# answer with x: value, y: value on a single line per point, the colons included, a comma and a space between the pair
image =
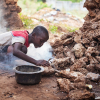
x: 79, y: 51
x: 63, y: 52
x: 76, y: 91
x: 10, y: 11
x: 58, y: 17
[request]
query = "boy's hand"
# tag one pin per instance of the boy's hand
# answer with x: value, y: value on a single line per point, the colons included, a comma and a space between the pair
x: 42, y: 63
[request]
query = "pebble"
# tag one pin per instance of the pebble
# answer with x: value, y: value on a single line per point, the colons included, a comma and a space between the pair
x: 92, y: 76
x: 98, y: 98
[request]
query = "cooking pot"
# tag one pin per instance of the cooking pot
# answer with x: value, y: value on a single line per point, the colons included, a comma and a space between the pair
x: 27, y: 74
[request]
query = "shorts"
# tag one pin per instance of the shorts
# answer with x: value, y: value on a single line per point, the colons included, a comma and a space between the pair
x: 3, y: 49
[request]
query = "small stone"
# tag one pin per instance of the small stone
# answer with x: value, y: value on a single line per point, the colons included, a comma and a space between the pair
x: 89, y: 86
x: 81, y: 95
x: 66, y: 35
x: 97, y: 2
x: 64, y: 84
x: 91, y: 51
x: 14, y: 97
x: 97, y: 67
x: 98, y: 98
x: 92, y: 76
x: 79, y: 50
x: 67, y: 41
x: 98, y: 58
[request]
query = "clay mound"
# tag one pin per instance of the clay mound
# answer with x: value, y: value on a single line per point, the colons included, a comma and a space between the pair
x: 81, y: 49
x: 82, y: 43
x: 10, y: 11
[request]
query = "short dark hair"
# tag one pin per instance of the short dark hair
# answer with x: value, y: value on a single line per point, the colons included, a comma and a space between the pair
x: 40, y: 29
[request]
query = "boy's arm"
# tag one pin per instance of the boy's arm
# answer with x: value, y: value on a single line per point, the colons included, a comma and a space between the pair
x: 18, y: 53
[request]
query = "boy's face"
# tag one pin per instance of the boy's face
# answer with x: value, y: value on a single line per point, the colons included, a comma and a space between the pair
x: 38, y: 41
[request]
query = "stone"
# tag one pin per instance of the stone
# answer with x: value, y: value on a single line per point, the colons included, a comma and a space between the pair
x: 78, y: 35
x: 85, y: 41
x: 79, y: 85
x: 10, y: 2
x: 91, y: 51
x: 80, y: 63
x: 79, y: 50
x: 93, y: 43
x: 18, y: 9
x: 59, y: 55
x: 61, y: 63
x: 73, y: 76
x: 98, y: 58
x: 98, y: 1
x: 56, y: 43
x: 91, y: 5
x: 66, y: 35
x: 68, y: 53
x: 92, y: 76
x: 71, y: 55
x: 10, y: 11
x: 58, y: 49
x: 15, y: 0
x: 17, y: 21
x: 90, y: 67
x: 81, y: 95
x: 97, y: 67
x: 93, y: 60
x: 82, y: 70
x: 97, y: 98
x: 64, y: 84
x: 12, y: 8
x: 77, y: 39
x: 67, y: 41
x: 48, y: 71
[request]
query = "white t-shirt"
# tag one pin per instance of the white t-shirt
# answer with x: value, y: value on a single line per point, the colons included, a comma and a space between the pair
x: 7, y: 38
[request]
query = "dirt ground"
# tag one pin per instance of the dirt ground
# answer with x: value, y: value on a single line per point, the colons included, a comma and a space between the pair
x: 46, y: 90
x: 96, y: 88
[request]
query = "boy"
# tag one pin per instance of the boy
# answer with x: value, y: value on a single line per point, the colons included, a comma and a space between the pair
x: 13, y: 42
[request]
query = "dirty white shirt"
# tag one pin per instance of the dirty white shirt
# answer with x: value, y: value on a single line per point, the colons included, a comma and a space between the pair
x: 7, y: 38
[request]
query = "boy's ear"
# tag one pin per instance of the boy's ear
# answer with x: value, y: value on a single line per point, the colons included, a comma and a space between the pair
x: 33, y: 34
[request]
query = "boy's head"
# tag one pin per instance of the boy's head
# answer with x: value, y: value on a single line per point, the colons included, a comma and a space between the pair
x: 39, y: 36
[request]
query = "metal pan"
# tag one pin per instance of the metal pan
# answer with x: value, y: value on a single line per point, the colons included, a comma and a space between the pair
x: 27, y: 74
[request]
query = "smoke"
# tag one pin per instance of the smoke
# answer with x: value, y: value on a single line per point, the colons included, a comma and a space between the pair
x: 2, y: 20
x: 43, y: 53
x: 7, y: 61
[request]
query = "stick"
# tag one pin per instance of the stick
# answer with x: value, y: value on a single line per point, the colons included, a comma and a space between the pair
x: 3, y: 73
x: 11, y: 76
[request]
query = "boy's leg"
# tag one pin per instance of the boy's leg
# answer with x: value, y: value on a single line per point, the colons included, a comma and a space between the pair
x: 10, y: 49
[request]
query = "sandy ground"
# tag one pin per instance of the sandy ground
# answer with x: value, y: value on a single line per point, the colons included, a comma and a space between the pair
x: 46, y: 90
